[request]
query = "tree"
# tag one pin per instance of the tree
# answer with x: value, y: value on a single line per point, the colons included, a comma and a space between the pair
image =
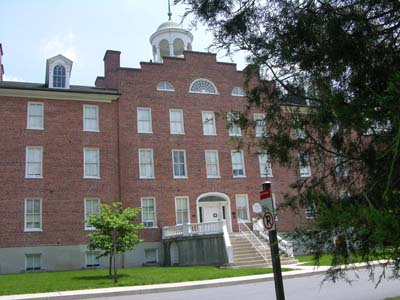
x: 115, y: 232
x: 331, y: 70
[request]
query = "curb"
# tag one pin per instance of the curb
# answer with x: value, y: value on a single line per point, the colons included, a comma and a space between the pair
x: 172, y: 287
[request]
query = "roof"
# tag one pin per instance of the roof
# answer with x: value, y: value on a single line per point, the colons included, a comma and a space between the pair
x: 169, y: 25
x: 44, y: 87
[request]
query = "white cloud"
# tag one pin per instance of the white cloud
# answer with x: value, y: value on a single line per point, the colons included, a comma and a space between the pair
x: 60, y: 44
x: 12, y: 78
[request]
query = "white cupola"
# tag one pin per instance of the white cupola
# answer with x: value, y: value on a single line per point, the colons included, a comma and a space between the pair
x: 170, y: 39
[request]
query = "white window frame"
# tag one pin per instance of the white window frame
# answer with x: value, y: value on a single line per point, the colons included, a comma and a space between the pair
x: 26, y: 229
x: 28, y: 116
x: 185, y: 164
x: 151, y: 249
x: 27, y: 175
x: 84, y: 163
x: 155, y: 212
x: 237, y: 91
x: 245, y: 196
x: 260, y: 131
x: 242, y: 163
x: 182, y: 121
x: 139, y: 109
x: 87, y: 253
x: 340, y: 167
x: 309, y: 212
x: 39, y: 255
x: 218, y: 175
x: 176, y: 209
x: 265, y: 165
x: 202, y: 92
x: 143, y: 176
x: 203, y: 120
x: 87, y: 227
x: 304, y: 170
x: 300, y: 133
x: 85, y: 106
x: 234, y: 129
x: 163, y: 86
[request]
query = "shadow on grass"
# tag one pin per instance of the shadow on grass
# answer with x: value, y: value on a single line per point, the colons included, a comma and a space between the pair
x: 99, y: 277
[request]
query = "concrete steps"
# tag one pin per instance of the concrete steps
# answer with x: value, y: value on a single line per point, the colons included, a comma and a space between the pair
x: 246, y: 256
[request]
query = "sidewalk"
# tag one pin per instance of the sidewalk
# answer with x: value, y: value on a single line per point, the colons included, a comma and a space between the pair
x: 169, y: 287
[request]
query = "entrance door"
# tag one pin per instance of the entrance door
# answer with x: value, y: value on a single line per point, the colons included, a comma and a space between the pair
x: 211, y: 214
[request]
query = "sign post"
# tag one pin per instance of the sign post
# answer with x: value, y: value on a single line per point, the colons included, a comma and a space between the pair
x: 269, y: 223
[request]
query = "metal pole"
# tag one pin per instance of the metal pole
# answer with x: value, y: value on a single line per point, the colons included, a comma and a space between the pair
x: 276, y: 260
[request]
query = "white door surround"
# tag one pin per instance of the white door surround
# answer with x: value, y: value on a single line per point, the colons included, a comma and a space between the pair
x: 214, y: 207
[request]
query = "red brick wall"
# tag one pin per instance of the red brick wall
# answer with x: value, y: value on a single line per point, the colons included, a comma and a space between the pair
x: 62, y: 188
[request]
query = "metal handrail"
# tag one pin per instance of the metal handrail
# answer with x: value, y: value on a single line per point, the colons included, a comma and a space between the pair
x: 248, y: 232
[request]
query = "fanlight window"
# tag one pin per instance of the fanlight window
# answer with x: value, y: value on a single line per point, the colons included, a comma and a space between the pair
x: 165, y: 86
x: 59, y: 76
x: 237, y: 91
x: 203, y: 86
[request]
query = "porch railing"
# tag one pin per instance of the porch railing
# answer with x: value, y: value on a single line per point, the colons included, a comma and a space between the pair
x: 254, y: 240
x: 185, y: 230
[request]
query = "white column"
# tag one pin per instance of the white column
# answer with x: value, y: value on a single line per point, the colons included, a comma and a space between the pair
x: 171, y: 49
x: 158, y: 59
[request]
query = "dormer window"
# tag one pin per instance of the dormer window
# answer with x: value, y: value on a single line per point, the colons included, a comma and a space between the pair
x: 203, y: 86
x: 58, y: 72
x: 59, y: 76
x: 165, y: 86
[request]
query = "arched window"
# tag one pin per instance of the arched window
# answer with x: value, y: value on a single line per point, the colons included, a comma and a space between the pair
x: 178, y: 47
x: 203, y: 86
x: 165, y: 86
x: 237, y: 91
x: 59, y: 76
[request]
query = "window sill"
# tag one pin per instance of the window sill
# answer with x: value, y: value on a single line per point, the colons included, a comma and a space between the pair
x: 154, y: 227
x: 213, y: 177
x: 42, y: 128
x: 147, y: 178
x: 33, y: 177
x: 241, y: 176
x: 90, y: 228
x: 181, y: 177
x: 86, y: 177
x: 86, y: 130
x: 235, y: 135
x: 266, y: 176
x: 305, y: 176
x: 145, y: 132
x: 33, y: 230
x: 177, y: 133
x: 209, y: 134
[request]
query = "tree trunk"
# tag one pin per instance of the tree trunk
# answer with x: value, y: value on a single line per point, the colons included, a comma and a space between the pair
x: 110, y: 264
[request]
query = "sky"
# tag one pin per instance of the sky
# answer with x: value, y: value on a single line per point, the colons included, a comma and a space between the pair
x: 32, y: 31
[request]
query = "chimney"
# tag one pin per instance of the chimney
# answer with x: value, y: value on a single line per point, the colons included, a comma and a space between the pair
x: 1, y: 65
x: 111, y: 61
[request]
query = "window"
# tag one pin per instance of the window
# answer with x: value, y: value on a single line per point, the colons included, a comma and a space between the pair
x: 208, y: 118
x: 182, y: 210
x: 144, y: 120
x: 165, y: 86
x: 91, y: 158
x: 179, y: 163
x: 259, y: 124
x: 340, y: 167
x: 59, y: 76
x: 237, y: 91
x: 265, y: 165
x: 203, y: 86
x: 34, y: 162
x: 344, y: 195
x: 304, y: 165
x: 35, y: 115
x: 242, y: 207
x: 92, y: 207
x: 212, y: 164
x: 90, y: 118
x: 234, y: 128
x: 237, y: 164
x: 176, y: 121
x: 92, y: 259
x: 149, y: 212
x: 309, y: 210
x: 32, y: 262
x: 151, y: 256
x: 146, y: 165
x: 33, y: 214
x: 300, y: 133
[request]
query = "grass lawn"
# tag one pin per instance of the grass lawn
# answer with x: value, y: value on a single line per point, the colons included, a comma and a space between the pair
x: 87, y: 279
x: 393, y: 298
x: 308, y: 260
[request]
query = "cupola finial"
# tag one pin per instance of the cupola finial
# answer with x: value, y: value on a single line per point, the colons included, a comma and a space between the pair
x: 169, y: 11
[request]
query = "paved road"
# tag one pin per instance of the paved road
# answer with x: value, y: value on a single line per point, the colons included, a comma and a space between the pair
x: 307, y: 288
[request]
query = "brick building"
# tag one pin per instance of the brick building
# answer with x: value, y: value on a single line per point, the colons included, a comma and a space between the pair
x: 154, y: 137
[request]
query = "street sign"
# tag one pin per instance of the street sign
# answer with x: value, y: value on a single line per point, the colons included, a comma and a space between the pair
x: 269, y: 221
x: 257, y: 208
x: 265, y: 194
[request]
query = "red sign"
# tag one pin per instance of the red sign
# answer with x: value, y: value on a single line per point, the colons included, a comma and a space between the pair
x: 269, y: 221
x: 265, y: 194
